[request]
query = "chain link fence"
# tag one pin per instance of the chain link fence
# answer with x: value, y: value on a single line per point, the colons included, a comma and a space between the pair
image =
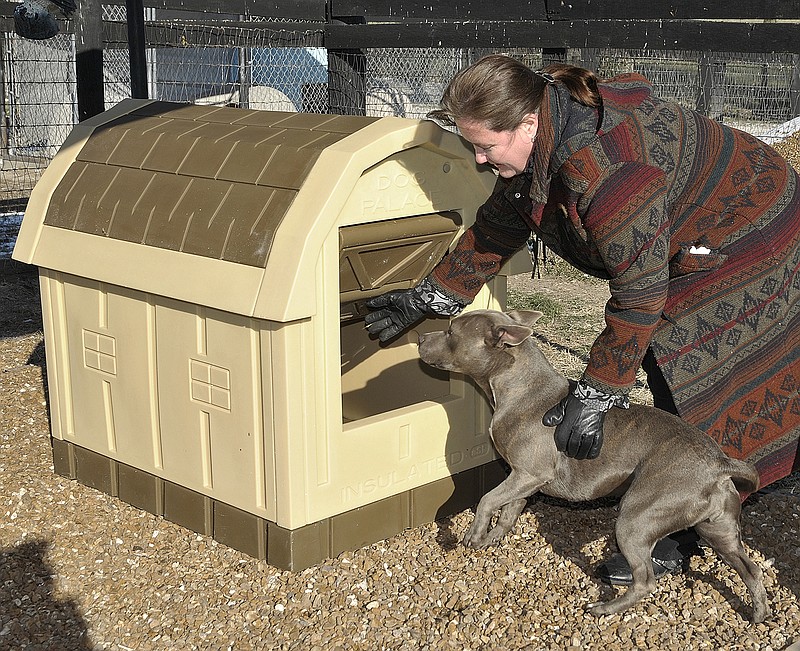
x: 37, y: 109
x: 268, y: 68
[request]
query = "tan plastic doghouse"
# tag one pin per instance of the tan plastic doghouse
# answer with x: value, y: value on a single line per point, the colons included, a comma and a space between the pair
x: 202, y: 275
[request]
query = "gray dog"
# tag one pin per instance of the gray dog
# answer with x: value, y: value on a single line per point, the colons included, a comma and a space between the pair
x: 678, y: 476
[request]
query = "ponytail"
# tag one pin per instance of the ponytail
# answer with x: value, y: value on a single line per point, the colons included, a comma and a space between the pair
x: 580, y: 82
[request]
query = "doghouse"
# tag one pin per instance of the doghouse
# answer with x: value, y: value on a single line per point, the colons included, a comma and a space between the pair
x: 202, y: 273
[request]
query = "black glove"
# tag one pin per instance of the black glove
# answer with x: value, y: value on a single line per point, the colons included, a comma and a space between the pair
x: 396, y: 311
x: 579, y: 419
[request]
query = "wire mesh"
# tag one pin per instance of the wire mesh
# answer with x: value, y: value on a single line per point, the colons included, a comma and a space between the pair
x: 225, y: 66
x: 38, y: 109
x: 263, y: 66
x: 408, y: 82
x: 752, y: 92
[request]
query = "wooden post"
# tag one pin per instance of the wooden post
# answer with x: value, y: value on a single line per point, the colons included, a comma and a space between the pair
x: 347, y: 86
x: 89, y: 58
x: 137, y: 48
x: 3, y: 122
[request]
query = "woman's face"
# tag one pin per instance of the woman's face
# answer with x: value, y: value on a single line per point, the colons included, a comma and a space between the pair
x: 507, y: 151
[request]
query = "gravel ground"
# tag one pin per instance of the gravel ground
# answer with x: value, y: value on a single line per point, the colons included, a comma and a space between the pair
x: 789, y: 148
x: 82, y: 570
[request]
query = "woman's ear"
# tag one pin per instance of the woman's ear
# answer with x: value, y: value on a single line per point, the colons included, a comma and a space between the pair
x: 530, y: 125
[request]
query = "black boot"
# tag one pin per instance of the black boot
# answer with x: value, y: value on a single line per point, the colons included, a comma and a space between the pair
x: 670, y: 556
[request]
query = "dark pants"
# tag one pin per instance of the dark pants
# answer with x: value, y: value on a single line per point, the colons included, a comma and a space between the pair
x: 662, y: 396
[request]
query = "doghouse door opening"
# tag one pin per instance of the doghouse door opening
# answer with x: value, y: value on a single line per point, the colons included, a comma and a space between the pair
x: 375, y: 258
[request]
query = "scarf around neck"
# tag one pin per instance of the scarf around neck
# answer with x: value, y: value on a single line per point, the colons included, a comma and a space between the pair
x: 565, y: 126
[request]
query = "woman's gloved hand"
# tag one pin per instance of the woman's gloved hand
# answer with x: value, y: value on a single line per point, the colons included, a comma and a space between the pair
x: 396, y: 311
x: 578, y: 419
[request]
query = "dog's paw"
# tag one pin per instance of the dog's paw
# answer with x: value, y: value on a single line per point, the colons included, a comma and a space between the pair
x: 594, y: 609
x: 761, y: 613
x: 480, y: 540
x: 474, y: 541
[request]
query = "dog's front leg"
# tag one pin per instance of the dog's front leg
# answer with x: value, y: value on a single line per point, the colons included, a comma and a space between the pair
x: 510, y: 496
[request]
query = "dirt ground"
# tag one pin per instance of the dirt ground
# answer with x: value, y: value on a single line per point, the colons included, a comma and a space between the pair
x: 573, y: 305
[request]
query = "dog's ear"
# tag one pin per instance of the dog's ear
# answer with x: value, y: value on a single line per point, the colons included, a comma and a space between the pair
x: 525, y: 317
x: 510, y: 335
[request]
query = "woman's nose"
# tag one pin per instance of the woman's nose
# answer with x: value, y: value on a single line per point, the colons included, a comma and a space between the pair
x: 480, y: 157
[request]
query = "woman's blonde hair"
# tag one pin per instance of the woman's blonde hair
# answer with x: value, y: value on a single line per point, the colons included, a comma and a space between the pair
x: 500, y: 91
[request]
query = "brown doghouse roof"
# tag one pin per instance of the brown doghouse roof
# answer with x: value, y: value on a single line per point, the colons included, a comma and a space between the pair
x: 209, y: 181
x: 241, y: 210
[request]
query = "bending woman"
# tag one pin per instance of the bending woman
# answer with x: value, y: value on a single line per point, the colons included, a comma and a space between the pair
x: 695, y: 226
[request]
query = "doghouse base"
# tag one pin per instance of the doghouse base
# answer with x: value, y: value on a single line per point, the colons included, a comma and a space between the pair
x: 288, y: 549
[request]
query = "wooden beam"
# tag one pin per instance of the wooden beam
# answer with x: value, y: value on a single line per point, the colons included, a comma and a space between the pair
x: 280, y: 34
x: 721, y: 36
x: 453, y: 9
x: 89, y: 58
x: 674, y: 10
x: 512, y: 10
x: 286, y: 9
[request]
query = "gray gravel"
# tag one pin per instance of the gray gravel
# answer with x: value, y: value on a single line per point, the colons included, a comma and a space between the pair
x: 82, y: 570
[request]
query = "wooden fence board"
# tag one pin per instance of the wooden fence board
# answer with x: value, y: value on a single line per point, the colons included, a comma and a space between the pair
x: 286, y: 9
x: 572, y: 10
x: 665, y: 35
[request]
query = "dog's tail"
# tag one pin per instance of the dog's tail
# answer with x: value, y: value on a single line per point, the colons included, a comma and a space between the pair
x: 744, y: 475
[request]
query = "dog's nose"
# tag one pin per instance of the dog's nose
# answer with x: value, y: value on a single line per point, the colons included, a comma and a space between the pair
x: 420, y: 337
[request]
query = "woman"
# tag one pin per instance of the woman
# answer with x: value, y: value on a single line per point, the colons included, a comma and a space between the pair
x: 695, y: 225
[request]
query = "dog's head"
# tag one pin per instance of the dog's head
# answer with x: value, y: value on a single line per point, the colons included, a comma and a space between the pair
x: 477, y: 343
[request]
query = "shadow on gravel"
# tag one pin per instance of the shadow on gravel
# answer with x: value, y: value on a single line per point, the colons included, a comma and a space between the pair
x: 21, y: 312
x: 569, y: 526
x: 765, y: 516
x: 20, y: 307
x: 769, y: 524
x: 30, y: 616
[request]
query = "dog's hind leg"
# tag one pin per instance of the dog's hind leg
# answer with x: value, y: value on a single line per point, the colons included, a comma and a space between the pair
x: 636, y: 546
x: 643, y: 519
x: 510, y: 496
x: 722, y: 532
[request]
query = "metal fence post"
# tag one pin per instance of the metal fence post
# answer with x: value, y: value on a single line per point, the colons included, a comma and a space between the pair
x: 711, y: 93
x: 245, y: 74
